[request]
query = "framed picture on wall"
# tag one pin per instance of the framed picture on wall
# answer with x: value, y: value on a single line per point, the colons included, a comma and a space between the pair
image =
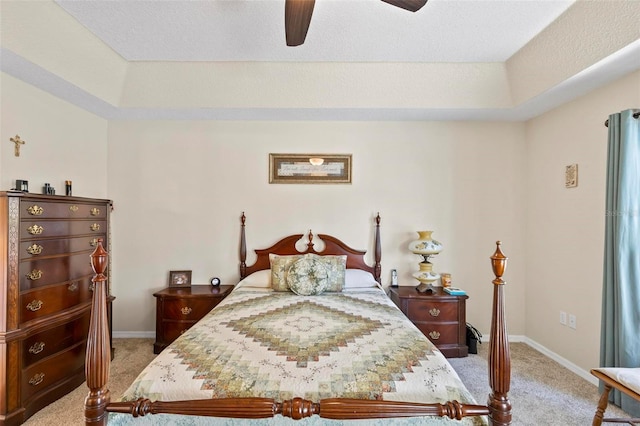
x: 179, y: 278
x: 309, y: 168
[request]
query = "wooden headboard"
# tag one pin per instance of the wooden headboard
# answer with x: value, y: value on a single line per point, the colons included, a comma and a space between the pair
x: 332, y: 246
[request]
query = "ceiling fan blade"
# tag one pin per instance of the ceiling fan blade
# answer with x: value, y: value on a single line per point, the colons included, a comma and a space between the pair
x: 410, y: 5
x: 297, y: 17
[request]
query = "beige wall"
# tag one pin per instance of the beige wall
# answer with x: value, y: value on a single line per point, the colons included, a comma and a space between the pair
x: 180, y: 187
x: 565, y: 227
x: 63, y: 142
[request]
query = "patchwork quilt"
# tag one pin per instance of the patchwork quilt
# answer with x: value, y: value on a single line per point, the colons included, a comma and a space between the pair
x: 352, y: 344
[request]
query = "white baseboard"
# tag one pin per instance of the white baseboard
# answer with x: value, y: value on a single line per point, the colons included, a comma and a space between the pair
x: 134, y: 334
x: 562, y: 361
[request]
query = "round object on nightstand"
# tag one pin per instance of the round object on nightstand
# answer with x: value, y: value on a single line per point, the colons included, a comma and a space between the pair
x: 215, y: 281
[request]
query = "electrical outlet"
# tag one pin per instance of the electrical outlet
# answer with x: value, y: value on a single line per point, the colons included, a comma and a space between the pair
x: 563, y: 318
x: 572, y: 321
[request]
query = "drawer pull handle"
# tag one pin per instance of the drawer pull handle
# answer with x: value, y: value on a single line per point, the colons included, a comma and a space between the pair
x: 95, y: 211
x: 34, y: 249
x: 73, y: 287
x: 35, y: 229
x: 73, y: 208
x: 36, y: 379
x: 434, y: 335
x: 93, y: 242
x: 186, y: 310
x: 36, y: 348
x: 35, y: 210
x: 95, y: 227
x: 92, y: 286
x: 434, y: 312
x: 35, y: 305
x: 36, y: 274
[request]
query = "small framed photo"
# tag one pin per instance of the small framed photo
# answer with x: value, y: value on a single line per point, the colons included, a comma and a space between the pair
x: 179, y: 278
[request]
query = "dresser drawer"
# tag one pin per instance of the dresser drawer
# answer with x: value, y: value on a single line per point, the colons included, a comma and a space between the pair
x: 36, y: 273
x: 60, y: 228
x: 44, y: 209
x: 50, y: 300
x: 48, y: 342
x: 432, y: 310
x: 43, y: 248
x: 174, y: 329
x: 440, y: 333
x: 41, y: 375
x: 187, y: 309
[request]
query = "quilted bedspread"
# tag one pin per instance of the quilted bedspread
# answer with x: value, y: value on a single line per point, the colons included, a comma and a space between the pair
x: 353, y: 344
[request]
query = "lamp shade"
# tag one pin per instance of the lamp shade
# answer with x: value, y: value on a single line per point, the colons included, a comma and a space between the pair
x: 425, y: 245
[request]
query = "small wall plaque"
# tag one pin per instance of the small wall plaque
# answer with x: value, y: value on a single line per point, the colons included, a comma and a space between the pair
x: 571, y: 176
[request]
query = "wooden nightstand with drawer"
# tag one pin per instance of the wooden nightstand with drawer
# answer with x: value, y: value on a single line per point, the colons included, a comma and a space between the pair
x: 178, y: 308
x: 440, y: 316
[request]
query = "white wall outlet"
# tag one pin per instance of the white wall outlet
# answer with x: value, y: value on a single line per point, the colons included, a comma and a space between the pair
x: 563, y: 318
x: 572, y: 321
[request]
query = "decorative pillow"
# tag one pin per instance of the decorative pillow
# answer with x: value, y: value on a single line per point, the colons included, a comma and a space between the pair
x: 336, y: 266
x: 308, y: 277
x: 357, y: 278
x: 260, y: 279
x: 279, y: 269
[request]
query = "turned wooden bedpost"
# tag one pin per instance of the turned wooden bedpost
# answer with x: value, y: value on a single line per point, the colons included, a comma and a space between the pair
x: 378, y: 251
x: 98, y: 356
x: 243, y: 248
x: 499, y: 357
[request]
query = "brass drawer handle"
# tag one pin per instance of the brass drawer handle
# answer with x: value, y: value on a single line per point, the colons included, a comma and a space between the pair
x: 36, y: 348
x: 92, y: 286
x: 35, y: 229
x: 434, y: 312
x: 36, y: 379
x: 35, y: 305
x: 73, y: 208
x: 95, y: 227
x: 34, y: 249
x: 93, y: 242
x: 186, y: 310
x: 36, y: 274
x: 434, y: 335
x: 35, y: 210
x: 73, y: 287
x: 95, y: 211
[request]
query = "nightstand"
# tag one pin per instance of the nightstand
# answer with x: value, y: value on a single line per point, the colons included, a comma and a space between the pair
x: 178, y: 308
x: 440, y: 316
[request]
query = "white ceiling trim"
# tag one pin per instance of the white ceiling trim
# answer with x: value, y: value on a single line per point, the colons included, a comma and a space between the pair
x: 611, y: 68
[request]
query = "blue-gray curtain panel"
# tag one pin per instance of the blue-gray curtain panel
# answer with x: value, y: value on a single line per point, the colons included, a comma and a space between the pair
x: 620, y: 334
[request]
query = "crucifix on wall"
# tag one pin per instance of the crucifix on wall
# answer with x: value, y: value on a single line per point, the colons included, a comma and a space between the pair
x: 18, y: 142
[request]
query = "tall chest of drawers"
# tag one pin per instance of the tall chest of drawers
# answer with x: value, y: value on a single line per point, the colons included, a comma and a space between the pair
x: 46, y: 290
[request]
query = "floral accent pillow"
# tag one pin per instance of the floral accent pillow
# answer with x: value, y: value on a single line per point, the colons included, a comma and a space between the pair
x: 336, y: 267
x: 308, y: 277
x: 279, y: 268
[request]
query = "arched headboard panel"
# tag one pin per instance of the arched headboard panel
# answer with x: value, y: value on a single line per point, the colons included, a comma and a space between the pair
x: 332, y: 246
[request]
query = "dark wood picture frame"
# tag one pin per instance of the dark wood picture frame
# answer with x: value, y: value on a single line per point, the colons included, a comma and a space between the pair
x: 179, y: 278
x: 310, y: 168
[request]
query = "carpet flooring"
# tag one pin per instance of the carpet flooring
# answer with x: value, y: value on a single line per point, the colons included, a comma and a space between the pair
x: 542, y: 391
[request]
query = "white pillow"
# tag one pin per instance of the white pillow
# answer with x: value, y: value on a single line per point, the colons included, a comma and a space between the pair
x: 260, y: 279
x: 357, y: 278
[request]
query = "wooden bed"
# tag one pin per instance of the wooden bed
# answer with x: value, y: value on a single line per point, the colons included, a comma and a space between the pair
x: 97, y: 403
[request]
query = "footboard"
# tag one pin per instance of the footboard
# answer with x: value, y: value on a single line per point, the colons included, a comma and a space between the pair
x: 97, y: 403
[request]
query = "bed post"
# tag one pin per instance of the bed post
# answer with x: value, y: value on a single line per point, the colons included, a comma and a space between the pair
x: 98, y: 356
x: 378, y: 251
x: 243, y: 248
x: 499, y: 356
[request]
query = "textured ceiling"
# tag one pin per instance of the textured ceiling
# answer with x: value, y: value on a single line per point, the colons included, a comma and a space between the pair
x: 341, y: 30
x: 362, y: 59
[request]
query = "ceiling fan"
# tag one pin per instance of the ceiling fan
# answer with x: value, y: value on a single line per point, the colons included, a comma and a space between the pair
x: 297, y: 16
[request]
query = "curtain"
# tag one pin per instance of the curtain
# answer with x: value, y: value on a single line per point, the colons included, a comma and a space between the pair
x: 620, y: 333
